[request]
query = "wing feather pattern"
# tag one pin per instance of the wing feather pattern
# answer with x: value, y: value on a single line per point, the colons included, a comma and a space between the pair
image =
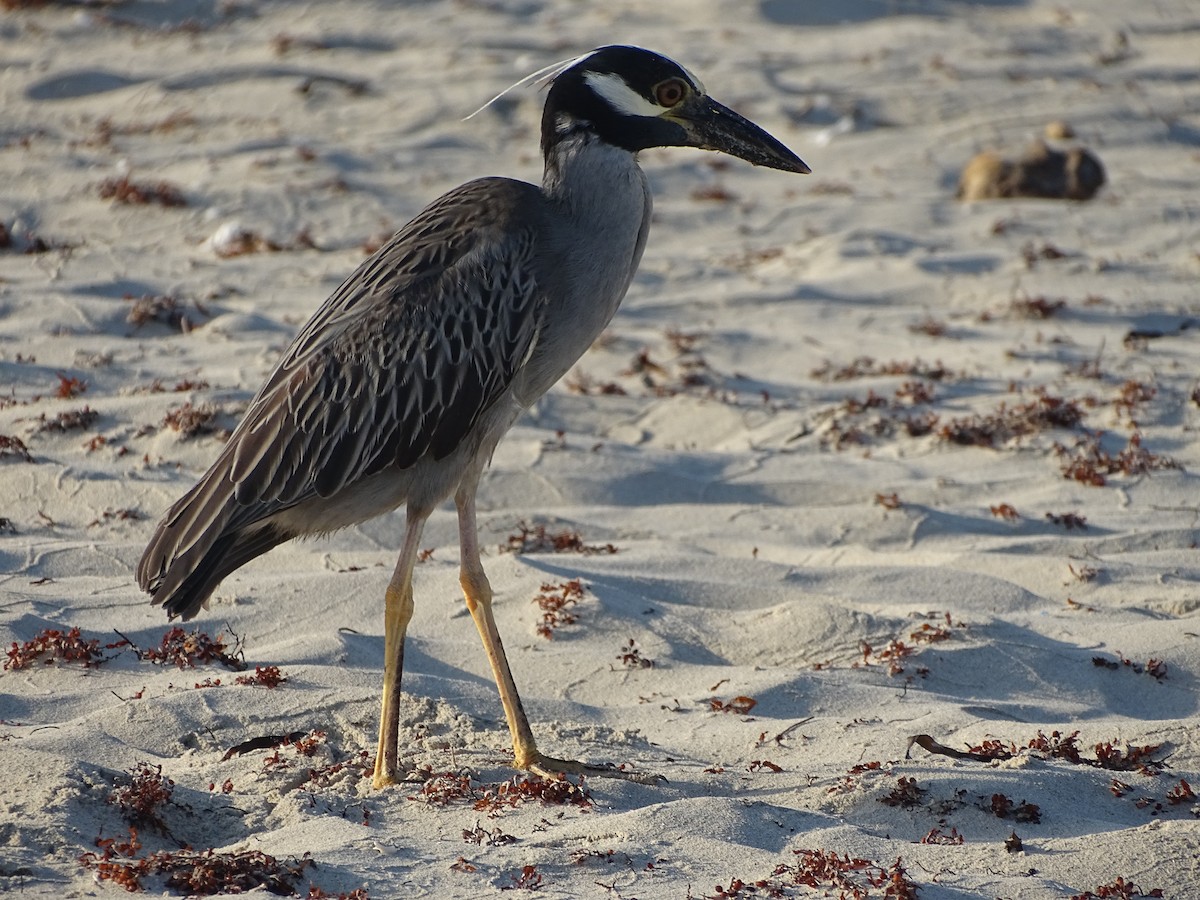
x: 400, y: 362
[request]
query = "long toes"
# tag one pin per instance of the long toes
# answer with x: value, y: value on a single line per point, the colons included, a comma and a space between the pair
x: 549, y: 767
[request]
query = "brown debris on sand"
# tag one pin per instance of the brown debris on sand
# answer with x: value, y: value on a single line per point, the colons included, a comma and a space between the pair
x: 1074, y: 174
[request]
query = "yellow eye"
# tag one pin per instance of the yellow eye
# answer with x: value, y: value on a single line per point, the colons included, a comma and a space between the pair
x: 670, y: 92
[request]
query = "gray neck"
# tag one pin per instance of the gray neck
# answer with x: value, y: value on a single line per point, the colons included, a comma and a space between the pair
x: 600, y: 204
x: 583, y: 170
x: 604, y: 203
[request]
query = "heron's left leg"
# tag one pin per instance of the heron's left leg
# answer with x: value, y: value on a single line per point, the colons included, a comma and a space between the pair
x: 397, y: 614
x: 478, y: 594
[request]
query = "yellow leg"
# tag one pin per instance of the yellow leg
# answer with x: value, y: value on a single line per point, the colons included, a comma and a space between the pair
x: 478, y: 594
x: 397, y: 614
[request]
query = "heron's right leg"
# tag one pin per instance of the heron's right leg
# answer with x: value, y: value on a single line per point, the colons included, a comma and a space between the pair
x: 398, y: 612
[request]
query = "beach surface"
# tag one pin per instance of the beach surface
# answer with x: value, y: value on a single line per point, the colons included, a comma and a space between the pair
x: 870, y: 524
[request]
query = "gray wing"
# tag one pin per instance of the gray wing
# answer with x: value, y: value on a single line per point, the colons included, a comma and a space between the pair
x: 398, y: 363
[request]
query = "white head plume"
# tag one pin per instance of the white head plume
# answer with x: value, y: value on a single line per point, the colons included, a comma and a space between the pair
x: 546, y: 74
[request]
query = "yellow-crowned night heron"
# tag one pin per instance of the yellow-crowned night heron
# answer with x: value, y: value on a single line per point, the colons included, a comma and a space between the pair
x: 399, y: 388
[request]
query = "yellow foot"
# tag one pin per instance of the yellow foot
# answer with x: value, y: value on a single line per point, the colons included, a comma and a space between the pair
x: 386, y: 779
x: 549, y: 767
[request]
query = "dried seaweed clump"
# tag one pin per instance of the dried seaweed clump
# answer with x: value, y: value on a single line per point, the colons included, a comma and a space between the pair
x: 51, y: 644
x: 15, y: 447
x: 185, y: 649
x: 1089, y: 463
x: 536, y: 539
x: 868, y: 367
x: 446, y: 788
x: 1118, y: 889
x: 142, y: 799
x: 195, y: 873
x: 190, y: 420
x: 122, y: 190
x: 1007, y: 423
x: 72, y: 420
x: 554, y: 600
x: 822, y: 870
x: 163, y: 309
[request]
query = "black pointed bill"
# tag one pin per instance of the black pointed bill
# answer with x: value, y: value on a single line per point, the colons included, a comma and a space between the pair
x: 711, y: 126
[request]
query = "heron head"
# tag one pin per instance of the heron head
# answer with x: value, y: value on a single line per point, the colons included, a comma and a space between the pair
x: 636, y: 99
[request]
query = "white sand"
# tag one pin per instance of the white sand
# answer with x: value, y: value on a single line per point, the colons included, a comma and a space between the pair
x: 754, y: 558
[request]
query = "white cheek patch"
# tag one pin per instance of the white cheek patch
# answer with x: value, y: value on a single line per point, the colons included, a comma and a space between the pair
x: 621, y: 96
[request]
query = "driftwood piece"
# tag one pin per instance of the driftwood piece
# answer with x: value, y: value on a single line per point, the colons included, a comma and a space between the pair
x: 927, y: 742
x: 1074, y: 174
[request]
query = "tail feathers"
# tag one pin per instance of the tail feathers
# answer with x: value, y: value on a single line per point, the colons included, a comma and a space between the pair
x: 190, y: 578
x: 203, y: 537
